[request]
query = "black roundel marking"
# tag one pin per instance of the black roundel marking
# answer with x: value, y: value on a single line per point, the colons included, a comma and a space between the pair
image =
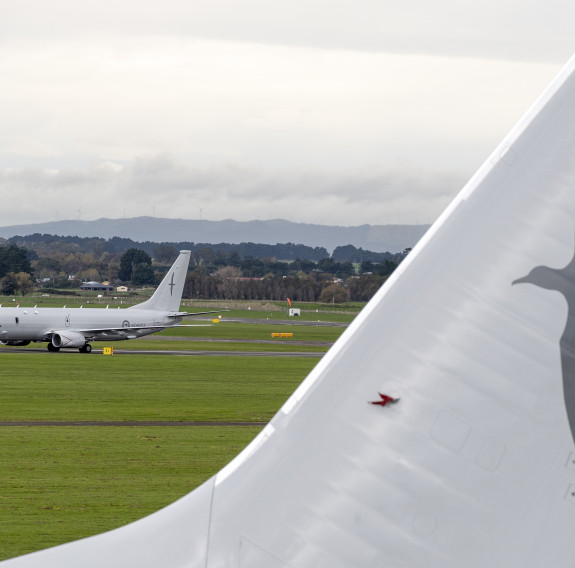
x: 126, y: 323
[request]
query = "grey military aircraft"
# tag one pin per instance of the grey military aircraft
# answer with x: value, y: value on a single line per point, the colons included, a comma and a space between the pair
x: 77, y: 327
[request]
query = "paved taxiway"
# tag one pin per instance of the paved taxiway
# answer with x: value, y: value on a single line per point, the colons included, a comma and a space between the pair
x: 120, y: 351
x: 222, y: 340
x: 304, y: 323
x: 128, y: 423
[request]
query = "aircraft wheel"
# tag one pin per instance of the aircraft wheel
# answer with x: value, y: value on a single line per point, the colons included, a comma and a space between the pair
x: 86, y: 348
x: 51, y: 347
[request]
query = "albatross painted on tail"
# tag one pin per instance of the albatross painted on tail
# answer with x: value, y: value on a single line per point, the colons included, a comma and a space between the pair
x: 77, y: 327
x: 474, y: 465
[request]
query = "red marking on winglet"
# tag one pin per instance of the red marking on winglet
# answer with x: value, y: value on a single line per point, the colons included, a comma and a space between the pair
x: 384, y: 400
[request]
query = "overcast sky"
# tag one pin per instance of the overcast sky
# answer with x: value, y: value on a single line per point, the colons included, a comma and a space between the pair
x: 322, y: 111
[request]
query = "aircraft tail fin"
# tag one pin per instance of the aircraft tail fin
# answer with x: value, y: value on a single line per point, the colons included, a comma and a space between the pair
x: 436, y: 431
x: 168, y: 295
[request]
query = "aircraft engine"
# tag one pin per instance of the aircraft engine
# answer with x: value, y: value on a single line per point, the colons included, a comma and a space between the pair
x: 15, y: 342
x: 68, y: 339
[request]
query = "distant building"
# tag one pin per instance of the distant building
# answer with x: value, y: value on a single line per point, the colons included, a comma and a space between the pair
x: 122, y: 289
x: 96, y: 287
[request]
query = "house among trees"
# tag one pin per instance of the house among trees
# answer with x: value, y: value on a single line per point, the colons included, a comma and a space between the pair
x: 96, y: 287
x: 246, y: 271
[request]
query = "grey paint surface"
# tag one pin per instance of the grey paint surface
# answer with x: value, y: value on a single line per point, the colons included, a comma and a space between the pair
x: 562, y: 281
x: 77, y: 327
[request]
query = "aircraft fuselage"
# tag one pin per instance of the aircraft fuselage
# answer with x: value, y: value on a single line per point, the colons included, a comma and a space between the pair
x: 96, y: 324
x: 76, y: 327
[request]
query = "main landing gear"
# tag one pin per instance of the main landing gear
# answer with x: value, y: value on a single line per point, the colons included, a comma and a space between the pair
x: 84, y: 349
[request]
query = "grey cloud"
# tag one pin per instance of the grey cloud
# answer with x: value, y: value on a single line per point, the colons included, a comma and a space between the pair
x: 160, y: 173
x: 536, y: 31
x: 230, y: 191
x: 30, y: 178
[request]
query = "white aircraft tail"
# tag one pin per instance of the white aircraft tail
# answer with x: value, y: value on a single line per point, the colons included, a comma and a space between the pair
x: 436, y: 432
x: 168, y: 295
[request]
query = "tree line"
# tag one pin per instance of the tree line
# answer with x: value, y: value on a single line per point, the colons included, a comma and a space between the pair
x: 44, y: 245
x: 98, y: 246
x: 56, y: 263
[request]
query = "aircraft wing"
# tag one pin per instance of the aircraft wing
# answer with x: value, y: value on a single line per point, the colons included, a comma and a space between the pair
x: 93, y: 330
x: 473, y: 464
x: 99, y: 333
x: 110, y: 329
x: 134, y: 328
x: 191, y: 314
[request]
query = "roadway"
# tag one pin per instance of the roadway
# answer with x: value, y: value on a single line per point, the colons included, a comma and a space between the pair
x: 206, y: 353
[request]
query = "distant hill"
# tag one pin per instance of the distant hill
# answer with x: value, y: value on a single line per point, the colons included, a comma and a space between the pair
x: 377, y: 238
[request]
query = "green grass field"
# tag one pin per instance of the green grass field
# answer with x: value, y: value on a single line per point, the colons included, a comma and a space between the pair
x: 228, y: 308
x: 277, y: 347
x: 239, y: 331
x: 60, y: 483
x: 147, y: 387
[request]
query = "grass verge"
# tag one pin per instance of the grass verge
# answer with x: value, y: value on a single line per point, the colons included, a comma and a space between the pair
x: 150, y: 387
x: 61, y: 484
